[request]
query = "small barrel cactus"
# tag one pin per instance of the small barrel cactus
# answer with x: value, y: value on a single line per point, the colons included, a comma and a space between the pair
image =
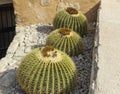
x: 47, y: 70
x: 71, y: 18
x: 65, y: 40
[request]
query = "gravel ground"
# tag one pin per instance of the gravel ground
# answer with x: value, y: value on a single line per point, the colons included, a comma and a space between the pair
x: 83, y: 61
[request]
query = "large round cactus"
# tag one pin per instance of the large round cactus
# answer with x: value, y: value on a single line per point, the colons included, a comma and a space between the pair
x: 65, y: 40
x: 47, y: 70
x: 71, y: 18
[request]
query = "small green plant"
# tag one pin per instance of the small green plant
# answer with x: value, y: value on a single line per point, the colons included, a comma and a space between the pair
x: 65, y: 40
x: 47, y: 70
x: 71, y: 18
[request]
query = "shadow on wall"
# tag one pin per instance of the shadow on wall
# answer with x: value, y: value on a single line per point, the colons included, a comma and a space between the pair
x: 8, y: 83
x: 92, y: 13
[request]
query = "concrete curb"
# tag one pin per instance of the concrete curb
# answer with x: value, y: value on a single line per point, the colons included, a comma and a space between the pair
x: 95, y: 57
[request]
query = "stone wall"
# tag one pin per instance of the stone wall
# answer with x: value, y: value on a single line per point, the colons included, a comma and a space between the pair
x: 43, y: 11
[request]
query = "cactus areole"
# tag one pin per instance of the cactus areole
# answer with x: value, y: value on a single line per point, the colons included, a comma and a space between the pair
x: 72, y: 11
x: 71, y: 18
x: 50, y: 54
x: 65, y: 31
x: 47, y: 70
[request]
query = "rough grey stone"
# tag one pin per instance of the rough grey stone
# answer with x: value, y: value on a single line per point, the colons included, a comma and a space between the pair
x: 20, y: 52
x: 19, y: 37
x: 4, y: 62
x: 28, y: 49
x: 8, y: 79
x: 13, y: 47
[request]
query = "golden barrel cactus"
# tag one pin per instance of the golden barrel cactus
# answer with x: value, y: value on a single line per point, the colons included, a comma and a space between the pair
x: 47, y: 70
x: 65, y: 40
x: 71, y: 18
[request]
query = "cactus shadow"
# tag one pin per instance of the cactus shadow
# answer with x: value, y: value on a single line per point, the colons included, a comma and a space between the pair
x: 37, y: 46
x: 43, y: 30
x: 8, y: 83
x: 46, y: 29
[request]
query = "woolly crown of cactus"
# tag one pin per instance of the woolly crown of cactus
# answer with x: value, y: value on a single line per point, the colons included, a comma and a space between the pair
x: 47, y: 70
x: 65, y: 40
x: 71, y: 18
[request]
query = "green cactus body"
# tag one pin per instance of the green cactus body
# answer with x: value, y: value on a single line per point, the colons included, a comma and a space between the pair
x: 65, y: 40
x: 71, y: 18
x: 47, y: 70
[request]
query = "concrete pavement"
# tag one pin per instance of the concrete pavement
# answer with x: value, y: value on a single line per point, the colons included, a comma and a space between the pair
x: 108, y: 76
